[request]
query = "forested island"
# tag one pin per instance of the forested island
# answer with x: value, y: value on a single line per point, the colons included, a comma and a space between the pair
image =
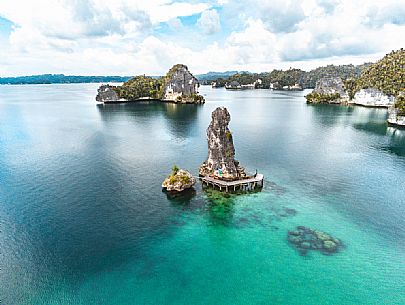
x: 178, y: 86
x: 61, y: 79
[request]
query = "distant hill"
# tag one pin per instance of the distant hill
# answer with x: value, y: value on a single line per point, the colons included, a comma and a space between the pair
x: 60, y: 79
x: 211, y: 76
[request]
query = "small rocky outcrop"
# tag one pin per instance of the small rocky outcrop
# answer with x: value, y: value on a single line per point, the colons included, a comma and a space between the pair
x: 178, y: 181
x: 305, y: 239
x: 221, y: 162
x: 106, y: 93
x: 372, y: 97
x: 328, y: 90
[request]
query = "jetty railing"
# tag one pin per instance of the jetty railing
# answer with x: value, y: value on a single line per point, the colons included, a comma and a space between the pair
x: 245, y: 184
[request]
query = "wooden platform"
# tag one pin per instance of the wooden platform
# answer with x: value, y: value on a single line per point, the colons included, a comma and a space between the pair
x: 244, y: 184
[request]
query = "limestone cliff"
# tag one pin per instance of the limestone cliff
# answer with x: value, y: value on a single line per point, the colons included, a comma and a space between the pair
x: 372, y: 97
x: 221, y: 161
x: 328, y: 90
x: 181, y: 86
x: 106, y: 93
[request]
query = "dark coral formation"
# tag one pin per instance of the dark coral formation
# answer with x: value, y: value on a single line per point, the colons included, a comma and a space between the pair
x: 305, y: 239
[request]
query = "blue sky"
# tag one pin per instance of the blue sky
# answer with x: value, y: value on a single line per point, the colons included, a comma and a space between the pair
x: 5, y: 30
x: 129, y: 37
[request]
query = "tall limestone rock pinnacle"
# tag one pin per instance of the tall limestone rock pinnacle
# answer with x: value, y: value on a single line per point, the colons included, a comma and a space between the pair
x: 221, y: 161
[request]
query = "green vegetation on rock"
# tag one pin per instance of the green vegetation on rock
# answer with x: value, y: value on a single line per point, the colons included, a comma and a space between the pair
x: 400, y: 105
x: 140, y: 86
x: 387, y: 74
x: 345, y: 72
x: 289, y: 77
x: 350, y: 87
x: 321, y: 98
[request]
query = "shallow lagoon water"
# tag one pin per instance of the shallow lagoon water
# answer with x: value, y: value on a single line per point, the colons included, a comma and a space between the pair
x: 83, y: 219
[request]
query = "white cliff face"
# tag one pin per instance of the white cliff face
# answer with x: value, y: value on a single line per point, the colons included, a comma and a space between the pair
x: 394, y: 118
x: 181, y: 84
x: 373, y: 98
x: 106, y: 93
x: 331, y: 85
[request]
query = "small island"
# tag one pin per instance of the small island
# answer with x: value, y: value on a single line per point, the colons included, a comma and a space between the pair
x: 178, y: 181
x: 328, y: 90
x: 178, y: 86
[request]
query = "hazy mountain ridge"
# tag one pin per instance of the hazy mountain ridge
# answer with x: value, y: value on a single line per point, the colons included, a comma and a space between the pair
x: 60, y: 79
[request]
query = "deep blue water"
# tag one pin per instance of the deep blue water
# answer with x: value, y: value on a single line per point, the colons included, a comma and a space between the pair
x: 83, y: 219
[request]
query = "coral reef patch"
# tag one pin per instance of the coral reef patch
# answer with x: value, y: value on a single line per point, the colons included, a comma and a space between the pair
x: 305, y: 239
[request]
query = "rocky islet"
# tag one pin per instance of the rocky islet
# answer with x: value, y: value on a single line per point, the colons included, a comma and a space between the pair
x: 179, y: 181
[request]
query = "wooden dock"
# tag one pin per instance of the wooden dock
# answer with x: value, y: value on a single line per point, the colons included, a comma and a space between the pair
x: 246, y: 184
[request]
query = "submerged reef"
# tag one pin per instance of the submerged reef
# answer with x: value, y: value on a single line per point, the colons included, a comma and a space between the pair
x: 305, y: 239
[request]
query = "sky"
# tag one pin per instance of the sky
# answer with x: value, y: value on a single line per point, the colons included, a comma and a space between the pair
x: 131, y: 37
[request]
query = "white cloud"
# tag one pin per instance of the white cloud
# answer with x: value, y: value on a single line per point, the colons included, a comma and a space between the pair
x: 391, y: 12
x: 175, y: 23
x: 122, y: 36
x: 209, y: 22
x: 328, y: 5
x: 279, y: 15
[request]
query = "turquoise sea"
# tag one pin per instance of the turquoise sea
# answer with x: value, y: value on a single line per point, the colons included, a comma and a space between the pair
x: 83, y: 219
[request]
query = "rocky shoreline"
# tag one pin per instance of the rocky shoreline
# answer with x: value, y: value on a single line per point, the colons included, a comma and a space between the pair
x: 381, y: 85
